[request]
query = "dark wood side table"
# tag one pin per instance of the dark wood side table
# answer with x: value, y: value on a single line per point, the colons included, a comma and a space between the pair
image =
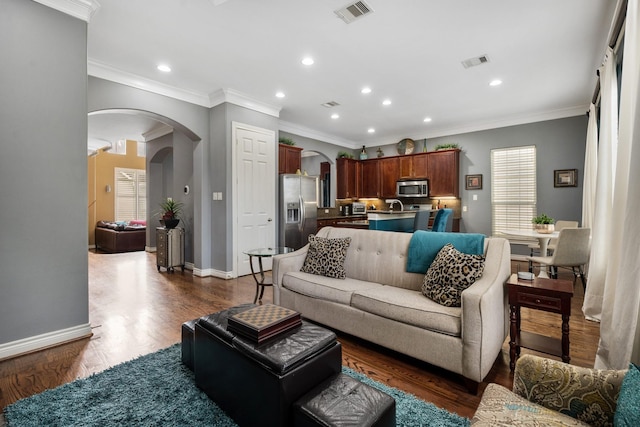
x: 550, y: 295
x: 263, y: 253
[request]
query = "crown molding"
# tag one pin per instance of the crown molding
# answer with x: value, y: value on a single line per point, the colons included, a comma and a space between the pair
x: 511, y: 121
x: 107, y: 72
x: 314, y: 134
x: 81, y: 9
x: 157, y: 132
x: 243, y: 100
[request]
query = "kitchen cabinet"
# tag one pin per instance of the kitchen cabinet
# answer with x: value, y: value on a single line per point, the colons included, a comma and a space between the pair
x: 289, y: 158
x: 370, y: 178
x: 348, y: 178
x: 413, y: 166
x: 443, y: 168
x: 389, y: 168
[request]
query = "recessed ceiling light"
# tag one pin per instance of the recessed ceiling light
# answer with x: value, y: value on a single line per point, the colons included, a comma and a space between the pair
x: 335, y: 116
x: 427, y: 119
x: 386, y: 102
x: 164, y: 68
x: 366, y: 90
x: 279, y: 95
x: 371, y: 130
x: 496, y: 82
x: 307, y: 60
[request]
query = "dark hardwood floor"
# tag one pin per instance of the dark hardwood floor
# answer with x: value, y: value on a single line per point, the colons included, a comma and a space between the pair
x: 135, y: 310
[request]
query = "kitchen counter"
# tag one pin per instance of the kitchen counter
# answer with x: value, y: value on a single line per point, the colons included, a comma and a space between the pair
x: 391, y: 220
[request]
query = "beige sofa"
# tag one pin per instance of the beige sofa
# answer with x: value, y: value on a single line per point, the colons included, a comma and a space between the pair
x: 380, y: 302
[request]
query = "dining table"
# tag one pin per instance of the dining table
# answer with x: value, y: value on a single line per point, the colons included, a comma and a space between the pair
x: 543, y: 241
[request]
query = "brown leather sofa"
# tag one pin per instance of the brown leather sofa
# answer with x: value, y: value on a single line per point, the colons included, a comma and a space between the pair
x: 117, y: 237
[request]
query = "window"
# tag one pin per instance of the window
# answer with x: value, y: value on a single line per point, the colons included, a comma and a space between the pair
x: 513, y: 188
x: 131, y: 194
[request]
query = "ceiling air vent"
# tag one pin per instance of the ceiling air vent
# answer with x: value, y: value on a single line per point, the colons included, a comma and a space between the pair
x: 353, y: 11
x: 330, y: 104
x: 472, y: 62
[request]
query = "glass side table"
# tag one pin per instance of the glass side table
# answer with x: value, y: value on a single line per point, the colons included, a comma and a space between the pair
x: 261, y: 253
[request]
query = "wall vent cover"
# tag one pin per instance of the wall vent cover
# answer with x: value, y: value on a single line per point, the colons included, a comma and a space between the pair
x: 353, y: 11
x: 330, y: 104
x: 472, y: 62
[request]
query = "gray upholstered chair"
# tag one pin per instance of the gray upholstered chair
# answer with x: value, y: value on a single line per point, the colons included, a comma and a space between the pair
x: 572, y: 250
x: 421, y: 220
x: 559, y: 225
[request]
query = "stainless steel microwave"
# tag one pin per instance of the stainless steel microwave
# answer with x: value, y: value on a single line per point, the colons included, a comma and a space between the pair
x: 419, y: 188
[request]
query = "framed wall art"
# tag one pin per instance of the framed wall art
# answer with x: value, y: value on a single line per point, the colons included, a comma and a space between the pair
x: 565, y: 178
x: 473, y: 182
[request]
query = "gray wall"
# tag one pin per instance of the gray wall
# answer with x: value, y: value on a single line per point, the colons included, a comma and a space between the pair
x: 560, y: 144
x: 43, y: 171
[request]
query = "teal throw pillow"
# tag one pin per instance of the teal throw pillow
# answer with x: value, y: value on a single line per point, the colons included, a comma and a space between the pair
x: 628, y: 405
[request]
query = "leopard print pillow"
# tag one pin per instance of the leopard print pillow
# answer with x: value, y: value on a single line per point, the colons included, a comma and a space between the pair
x: 451, y: 273
x: 325, y: 257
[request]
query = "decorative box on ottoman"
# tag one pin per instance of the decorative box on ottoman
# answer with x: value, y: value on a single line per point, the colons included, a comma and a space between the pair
x: 344, y: 401
x: 257, y: 384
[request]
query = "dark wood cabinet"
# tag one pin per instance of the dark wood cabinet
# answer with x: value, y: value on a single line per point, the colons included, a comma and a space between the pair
x: 289, y: 158
x: 370, y: 178
x: 413, y: 166
x: 443, y: 168
x: 348, y: 178
x: 389, y: 173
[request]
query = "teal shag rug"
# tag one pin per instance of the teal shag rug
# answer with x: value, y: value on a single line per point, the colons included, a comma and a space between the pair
x: 158, y: 390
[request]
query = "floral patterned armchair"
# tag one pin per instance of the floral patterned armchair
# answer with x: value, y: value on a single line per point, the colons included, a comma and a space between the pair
x: 551, y: 393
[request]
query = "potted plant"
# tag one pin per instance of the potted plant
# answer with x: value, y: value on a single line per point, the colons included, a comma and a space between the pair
x: 449, y: 146
x: 345, y: 155
x: 170, y: 210
x: 286, y: 141
x: 543, y: 224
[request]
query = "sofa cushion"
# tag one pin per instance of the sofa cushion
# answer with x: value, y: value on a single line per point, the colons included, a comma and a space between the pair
x: 451, y: 273
x: 408, y: 307
x: 501, y: 407
x: 325, y: 288
x: 325, y: 257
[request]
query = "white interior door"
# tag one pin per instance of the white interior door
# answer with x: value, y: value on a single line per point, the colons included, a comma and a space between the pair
x: 255, y: 193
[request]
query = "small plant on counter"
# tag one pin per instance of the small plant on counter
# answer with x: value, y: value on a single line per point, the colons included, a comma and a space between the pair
x: 446, y: 146
x: 286, y: 141
x: 542, y: 219
x: 345, y: 155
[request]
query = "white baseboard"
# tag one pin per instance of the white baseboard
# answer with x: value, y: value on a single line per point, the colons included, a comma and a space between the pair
x: 212, y: 272
x: 39, y: 342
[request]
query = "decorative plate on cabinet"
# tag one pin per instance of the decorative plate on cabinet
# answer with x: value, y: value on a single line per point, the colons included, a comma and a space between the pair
x: 405, y: 146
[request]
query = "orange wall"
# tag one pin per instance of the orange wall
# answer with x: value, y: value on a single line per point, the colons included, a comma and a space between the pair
x: 101, y: 170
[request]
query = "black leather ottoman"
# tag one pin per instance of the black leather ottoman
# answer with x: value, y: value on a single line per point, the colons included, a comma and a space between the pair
x: 188, y: 331
x: 344, y: 401
x: 256, y: 385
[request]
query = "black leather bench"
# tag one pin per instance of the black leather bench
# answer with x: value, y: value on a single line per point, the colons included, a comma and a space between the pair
x: 258, y: 384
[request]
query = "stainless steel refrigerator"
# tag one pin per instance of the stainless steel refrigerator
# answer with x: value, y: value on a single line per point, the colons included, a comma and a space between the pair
x: 298, y: 209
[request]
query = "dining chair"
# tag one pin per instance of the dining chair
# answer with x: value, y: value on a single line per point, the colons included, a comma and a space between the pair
x: 443, y: 220
x: 559, y: 225
x: 421, y: 220
x: 572, y: 250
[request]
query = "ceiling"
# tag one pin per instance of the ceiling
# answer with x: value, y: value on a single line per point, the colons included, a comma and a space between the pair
x: 408, y: 51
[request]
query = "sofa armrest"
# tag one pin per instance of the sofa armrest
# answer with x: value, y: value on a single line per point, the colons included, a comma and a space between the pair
x: 485, y: 313
x: 284, y: 263
x: 586, y: 394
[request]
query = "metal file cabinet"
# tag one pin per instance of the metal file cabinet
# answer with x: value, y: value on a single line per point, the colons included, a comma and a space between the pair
x: 169, y: 248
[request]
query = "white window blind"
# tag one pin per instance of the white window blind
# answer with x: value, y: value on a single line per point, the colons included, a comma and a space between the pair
x: 513, y: 188
x: 131, y: 194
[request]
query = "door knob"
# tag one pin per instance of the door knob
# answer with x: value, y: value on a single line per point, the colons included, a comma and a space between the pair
x: 269, y: 220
